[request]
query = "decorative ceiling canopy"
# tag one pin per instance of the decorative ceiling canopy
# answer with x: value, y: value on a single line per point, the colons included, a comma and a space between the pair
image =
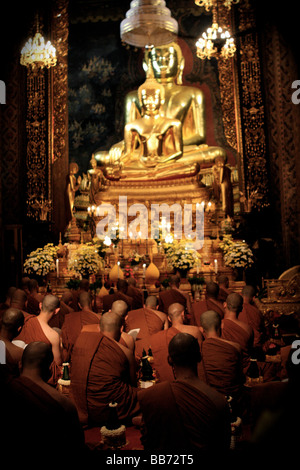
x: 148, y: 23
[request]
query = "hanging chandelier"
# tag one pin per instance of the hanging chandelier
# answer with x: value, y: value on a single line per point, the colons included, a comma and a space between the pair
x: 207, y: 4
x: 37, y: 53
x: 148, y: 23
x: 215, y: 41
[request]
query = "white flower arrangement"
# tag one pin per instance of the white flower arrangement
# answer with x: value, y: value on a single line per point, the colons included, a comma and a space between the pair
x: 85, y: 260
x: 41, y: 261
x: 135, y: 258
x: 238, y: 255
x: 180, y: 255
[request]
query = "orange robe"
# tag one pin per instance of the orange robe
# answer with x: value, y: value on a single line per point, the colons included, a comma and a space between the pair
x: 203, y: 306
x: 31, y: 332
x: 137, y: 297
x: 158, y: 343
x: 100, y: 375
x: 223, y: 294
x: 35, y: 418
x: 71, y: 329
x: 145, y: 319
x: 178, y: 415
x: 108, y: 300
x: 253, y: 317
x: 33, y: 303
x: 221, y: 366
x: 169, y: 297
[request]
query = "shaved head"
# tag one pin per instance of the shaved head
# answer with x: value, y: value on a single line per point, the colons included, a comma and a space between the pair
x: 38, y: 356
x: 110, y: 322
x: 212, y: 289
x: 119, y: 307
x: 84, y: 284
x: 10, y: 292
x: 175, y: 310
x: 67, y: 296
x: 151, y: 301
x: 210, y: 320
x: 19, y: 298
x: 174, y: 281
x: 234, y: 302
x: 50, y: 303
x: 12, y: 319
x: 85, y: 299
x: 248, y: 291
x: 131, y: 281
x: 33, y: 285
x: 184, y: 350
x: 222, y: 279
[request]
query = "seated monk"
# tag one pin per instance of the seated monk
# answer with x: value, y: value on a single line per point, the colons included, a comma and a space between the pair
x: 103, y: 371
x: 136, y: 294
x: 221, y: 366
x: 148, y: 319
x: 173, y: 295
x: 210, y: 302
x: 38, y: 417
x: 34, y: 298
x: 6, y: 304
x: 253, y: 316
x: 84, y: 286
x: 121, y: 294
x: 182, y: 112
x: 19, y: 301
x: 223, y: 283
x: 24, y: 285
x: 36, y: 328
x: 159, y: 341
x: 121, y: 308
x: 12, y: 324
x: 75, y: 321
x: 184, y: 413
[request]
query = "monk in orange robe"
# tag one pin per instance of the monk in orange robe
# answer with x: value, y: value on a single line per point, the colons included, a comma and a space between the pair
x: 12, y: 324
x: 36, y: 328
x: 6, y: 304
x: 234, y: 329
x: 253, y: 316
x: 210, y: 302
x: 184, y: 413
x: 19, y: 301
x: 37, y: 417
x: 221, y: 365
x: 171, y: 296
x: 121, y: 294
x: 159, y: 341
x: 224, y: 291
x: 148, y: 319
x: 103, y: 371
x: 35, y: 298
x: 75, y: 321
x: 136, y: 294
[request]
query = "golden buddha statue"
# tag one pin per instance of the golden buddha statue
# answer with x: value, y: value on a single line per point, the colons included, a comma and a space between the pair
x: 177, y: 103
x: 95, y: 175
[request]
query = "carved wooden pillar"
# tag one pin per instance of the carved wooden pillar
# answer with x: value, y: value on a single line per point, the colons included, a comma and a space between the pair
x: 60, y: 156
x: 252, y: 109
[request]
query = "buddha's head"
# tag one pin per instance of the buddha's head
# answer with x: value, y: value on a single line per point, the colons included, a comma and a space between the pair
x: 167, y: 62
x: 151, y: 93
x: 93, y: 163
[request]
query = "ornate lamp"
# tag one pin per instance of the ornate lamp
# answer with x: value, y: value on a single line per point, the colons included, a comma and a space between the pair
x: 215, y: 41
x: 148, y: 23
x: 37, y: 53
x: 207, y: 4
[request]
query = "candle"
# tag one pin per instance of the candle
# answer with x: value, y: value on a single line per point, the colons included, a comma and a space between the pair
x: 118, y: 268
x: 198, y: 267
x: 144, y: 270
x: 57, y: 268
x: 216, y: 266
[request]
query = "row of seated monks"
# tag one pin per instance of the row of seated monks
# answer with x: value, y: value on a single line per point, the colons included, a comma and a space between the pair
x: 202, y: 355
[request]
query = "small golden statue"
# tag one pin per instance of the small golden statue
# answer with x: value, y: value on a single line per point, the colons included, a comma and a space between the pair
x: 95, y: 175
x: 155, y: 145
x: 73, y: 184
x: 222, y: 186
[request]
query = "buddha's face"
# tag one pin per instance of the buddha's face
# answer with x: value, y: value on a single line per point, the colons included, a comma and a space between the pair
x: 164, y: 62
x: 151, y: 100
